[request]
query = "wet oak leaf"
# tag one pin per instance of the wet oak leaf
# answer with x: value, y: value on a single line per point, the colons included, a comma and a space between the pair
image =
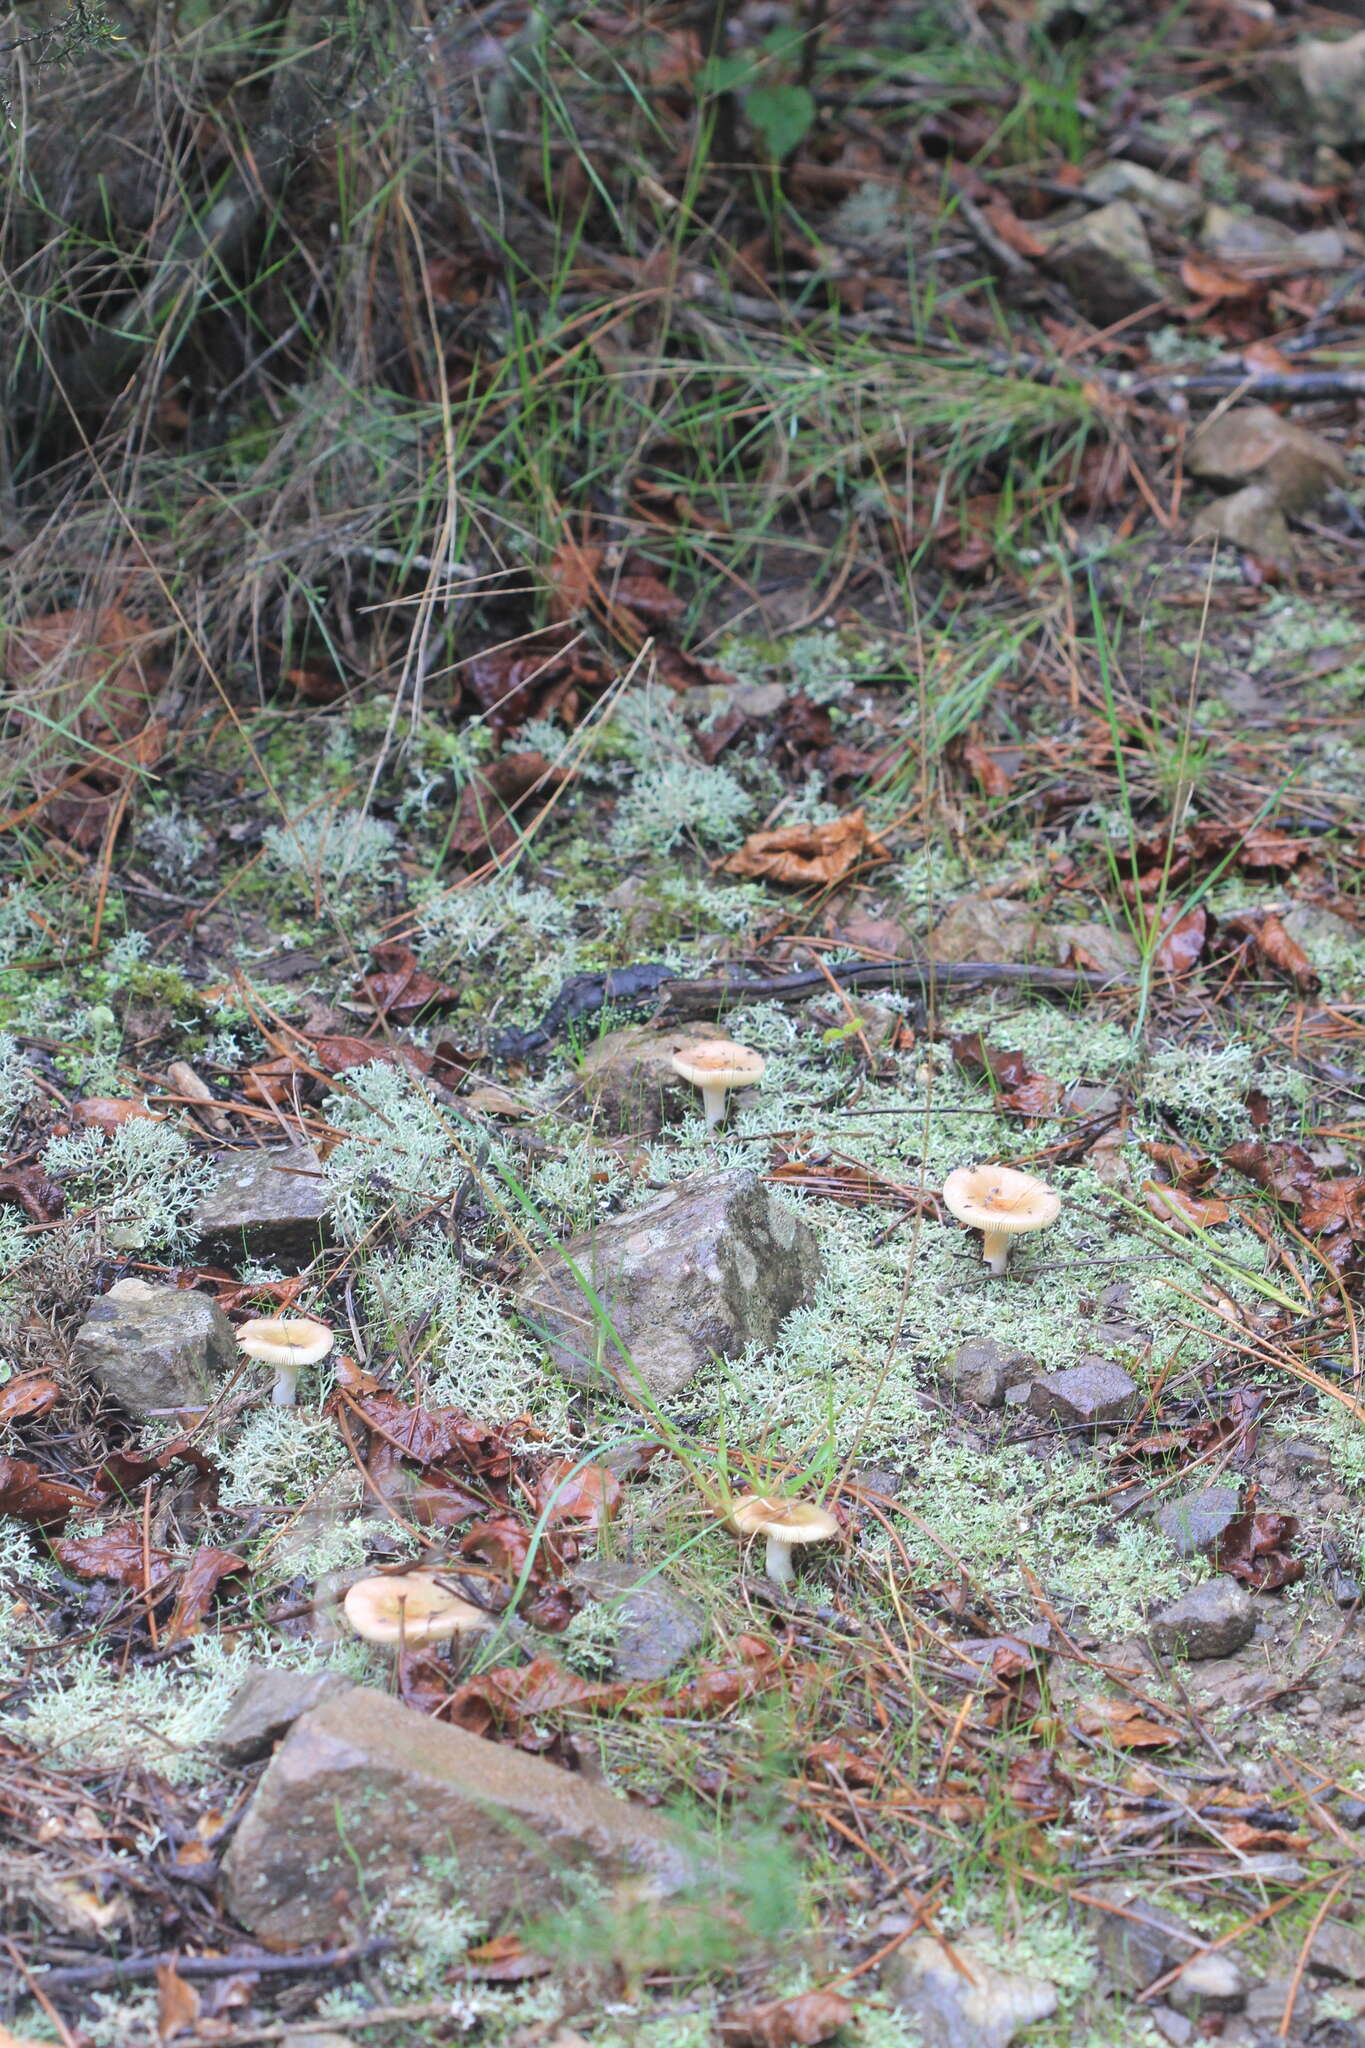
x: 1183, y: 942
x: 28, y: 1396
x: 177, y: 2003
x: 1020, y: 1089
x: 799, y: 2022
x: 108, y: 1113
x: 488, y: 820
x: 198, y: 1583
x: 398, y: 988
x: 1255, y: 1548
x: 28, y: 1188
x: 1183, y: 1210
x: 31, y: 1495
x: 805, y: 856
x: 586, y: 1496
x: 987, y: 772
x: 115, y: 1553
x: 1124, y: 1723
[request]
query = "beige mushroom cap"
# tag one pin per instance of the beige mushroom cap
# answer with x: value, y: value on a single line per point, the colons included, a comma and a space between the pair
x: 718, y: 1063
x: 791, y: 1521
x: 1000, y: 1199
x: 408, y: 1609
x: 284, y: 1340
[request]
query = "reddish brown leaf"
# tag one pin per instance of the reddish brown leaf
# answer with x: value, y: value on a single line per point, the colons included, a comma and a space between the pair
x: 1206, y: 279
x: 1284, y: 954
x: 803, y: 856
x: 32, y: 1393
x: 1174, y: 1205
x: 1037, y: 1784
x: 1124, y: 1723
x: 1019, y: 1088
x: 574, y: 574
x: 1183, y: 942
x: 1255, y: 1549
x: 398, y: 988
x: 1012, y: 231
x: 810, y: 2017
x: 431, y: 1437
x: 587, y: 1498
x: 490, y: 810
x: 650, y: 599
x: 504, y: 1960
x: 987, y: 771
x: 106, y: 1113
x: 124, y: 1472
x: 114, y: 1554
x: 29, y: 1189
x: 177, y: 2003
x: 1283, y: 1168
x: 27, y: 1493
x: 202, y: 1575
x: 316, y: 685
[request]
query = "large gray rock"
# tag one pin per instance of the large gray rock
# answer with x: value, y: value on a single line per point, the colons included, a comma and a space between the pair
x: 984, y: 2010
x: 711, y: 1265
x: 1211, y: 1983
x: 363, y: 1791
x: 154, y: 1348
x: 266, y: 1203
x: 984, y: 1371
x: 1216, y: 1619
x: 1137, y: 1941
x: 656, y: 1628
x: 266, y: 1705
x: 1195, y: 1522
x: 1167, y: 198
x: 1323, y: 84
x: 1106, y: 262
x: 627, y: 1077
x: 1236, y: 237
x: 1091, y: 1394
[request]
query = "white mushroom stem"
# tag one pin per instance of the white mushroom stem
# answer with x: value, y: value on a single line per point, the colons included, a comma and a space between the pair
x: 713, y: 1094
x: 995, y: 1249
x: 285, y: 1391
x: 778, y: 1561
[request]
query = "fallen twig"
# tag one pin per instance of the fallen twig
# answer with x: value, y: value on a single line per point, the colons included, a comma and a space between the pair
x: 119, y: 1968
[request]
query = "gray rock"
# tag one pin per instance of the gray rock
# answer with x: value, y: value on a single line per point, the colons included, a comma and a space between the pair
x: 627, y: 1078
x: 1122, y: 1335
x: 1195, y: 1521
x: 1249, y: 519
x: 1091, y: 1394
x: 1172, y: 2026
x: 1235, y: 237
x: 709, y: 1266
x: 1166, y: 197
x: 1137, y: 1942
x: 658, y: 1629
x: 1266, y: 2003
x: 1317, y: 930
x: 266, y: 1202
x: 154, y: 1348
x: 362, y: 1791
x: 266, y: 1705
x: 310, y: 2037
x: 951, y: 2011
x: 984, y: 1371
x: 1105, y: 261
x: 1339, y: 1951
x: 1215, y: 1619
x: 1323, y: 86
x: 1210, y: 1983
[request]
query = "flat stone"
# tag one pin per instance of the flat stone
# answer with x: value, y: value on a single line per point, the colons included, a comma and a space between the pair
x: 363, y: 1791
x: 984, y: 2010
x: 1215, y: 1619
x: 1166, y: 197
x: 266, y: 1202
x: 1125, y: 1335
x: 1323, y: 85
x: 1172, y: 2026
x: 1339, y: 1951
x: 658, y: 1629
x: 627, y: 1078
x: 713, y: 1264
x: 266, y: 1705
x: 1211, y: 1983
x: 1266, y: 2003
x: 153, y: 1348
x: 1090, y: 1394
x: 1195, y: 1522
x: 1235, y: 237
x: 1254, y: 444
x: 1137, y: 1942
x: 1106, y: 262
x: 984, y: 1371
x: 1249, y: 519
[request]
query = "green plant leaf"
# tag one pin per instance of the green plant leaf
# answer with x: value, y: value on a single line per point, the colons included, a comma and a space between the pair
x: 725, y: 74
x: 782, y: 115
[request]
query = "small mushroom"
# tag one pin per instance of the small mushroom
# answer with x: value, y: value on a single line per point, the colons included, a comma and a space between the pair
x: 785, y: 1523
x: 288, y: 1343
x: 1001, y: 1203
x: 408, y: 1609
x: 716, y: 1065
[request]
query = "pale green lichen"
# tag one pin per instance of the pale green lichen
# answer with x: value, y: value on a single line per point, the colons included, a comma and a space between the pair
x: 143, y: 1181
x: 341, y: 848
x: 676, y: 800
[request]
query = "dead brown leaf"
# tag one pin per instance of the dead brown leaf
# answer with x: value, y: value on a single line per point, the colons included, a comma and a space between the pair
x: 27, y: 1493
x: 806, y: 856
x: 29, y: 1188
x: 397, y: 988
x: 177, y: 2003
x: 1183, y: 942
x: 809, y: 2017
x: 198, y: 1583
x: 32, y: 1393
x: 1124, y: 1723
x: 489, y: 817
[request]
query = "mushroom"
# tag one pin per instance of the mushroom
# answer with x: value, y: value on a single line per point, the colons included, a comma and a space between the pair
x: 408, y: 1609
x: 1001, y: 1203
x: 288, y: 1343
x: 785, y: 1523
x: 716, y: 1065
